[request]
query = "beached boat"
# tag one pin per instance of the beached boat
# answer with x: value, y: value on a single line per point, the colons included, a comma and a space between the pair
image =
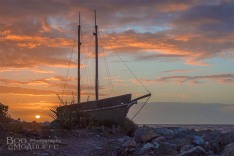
x: 112, y: 108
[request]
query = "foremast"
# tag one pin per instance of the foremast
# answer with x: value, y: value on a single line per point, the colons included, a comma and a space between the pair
x: 96, y: 57
x: 79, y: 44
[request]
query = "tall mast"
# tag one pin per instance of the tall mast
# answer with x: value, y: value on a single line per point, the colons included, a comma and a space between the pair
x: 96, y: 56
x: 79, y: 44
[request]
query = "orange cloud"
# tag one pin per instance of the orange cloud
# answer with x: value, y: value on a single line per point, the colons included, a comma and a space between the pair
x: 35, y: 41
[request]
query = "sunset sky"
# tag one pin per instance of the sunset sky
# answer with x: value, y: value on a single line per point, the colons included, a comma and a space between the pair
x: 181, y: 50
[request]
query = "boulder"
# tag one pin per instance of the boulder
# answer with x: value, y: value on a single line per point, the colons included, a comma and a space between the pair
x: 177, y: 130
x: 148, y: 146
x: 159, y: 139
x: 166, y: 148
x: 156, y: 145
x: 144, y: 134
x: 184, y: 134
x: 213, y: 137
x: 186, y: 148
x: 164, y: 131
x: 124, y: 139
x: 148, y: 136
x: 229, y: 150
x: 227, y: 138
x: 130, y: 143
x: 198, y: 140
x: 195, y: 151
x: 180, y: 142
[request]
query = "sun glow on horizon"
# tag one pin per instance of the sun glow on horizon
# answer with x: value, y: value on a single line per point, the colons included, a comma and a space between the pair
x: 38, y: 116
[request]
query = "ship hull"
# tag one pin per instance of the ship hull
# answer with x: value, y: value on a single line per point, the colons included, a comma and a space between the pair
x: 117, y: 113
x: 109, y: 109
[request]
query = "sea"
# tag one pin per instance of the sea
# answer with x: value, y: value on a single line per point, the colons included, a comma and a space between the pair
x: 222, y: 127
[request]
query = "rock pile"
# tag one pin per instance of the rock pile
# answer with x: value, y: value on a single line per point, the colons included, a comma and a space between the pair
x: 178, y: 141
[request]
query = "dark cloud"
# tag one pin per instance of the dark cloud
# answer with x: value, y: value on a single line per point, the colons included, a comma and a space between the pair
x: 220, y: 78
x: 159, y: 56
x: 209, y: 19
x: 191, y: 30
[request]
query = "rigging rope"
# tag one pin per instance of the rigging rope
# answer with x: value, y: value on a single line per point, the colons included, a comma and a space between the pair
x: 74, y: 41
x: 86, y: 55
x: 140, y: 108
x: 116, y: 53
x: 107, y: 68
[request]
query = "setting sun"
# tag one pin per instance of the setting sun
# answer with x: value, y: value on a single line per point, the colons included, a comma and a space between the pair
x: 38, y: 116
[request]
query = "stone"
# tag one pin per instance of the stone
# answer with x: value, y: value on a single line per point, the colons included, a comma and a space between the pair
x: 159, y: 139
x: 124, y: 139
x: 148, y: 146
x: 227, y: 138
x: 177, y: 130
x: 144, y: 134
x: 166, y: 148
x: 213, y: 141
x: 164, y: 131
x: 156, y: 145
x: 195, y: 151
x: 186, y: 148
x: 197, y: 140
x: 130, y: 143
x: 148, y: 136
x: 185, y: 134
x: 229, y: 150
x: 180, y: 142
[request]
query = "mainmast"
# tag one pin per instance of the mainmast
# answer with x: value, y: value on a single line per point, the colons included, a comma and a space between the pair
x: 79, y: 44
x: 96, y: 56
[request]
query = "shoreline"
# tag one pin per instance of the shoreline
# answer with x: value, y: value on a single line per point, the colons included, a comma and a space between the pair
x: 145, y: 140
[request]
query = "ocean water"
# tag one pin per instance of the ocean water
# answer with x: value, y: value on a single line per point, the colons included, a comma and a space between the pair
x: 223, y: 128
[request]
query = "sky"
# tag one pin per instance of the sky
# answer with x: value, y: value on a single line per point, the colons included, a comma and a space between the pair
x: 182, y: 51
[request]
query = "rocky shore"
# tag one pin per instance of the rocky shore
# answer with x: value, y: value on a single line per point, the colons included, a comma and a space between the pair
x: 165, y: 141
x: 179, y: 142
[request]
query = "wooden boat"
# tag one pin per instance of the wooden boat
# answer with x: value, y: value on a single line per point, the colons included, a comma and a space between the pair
x: 113, y: 108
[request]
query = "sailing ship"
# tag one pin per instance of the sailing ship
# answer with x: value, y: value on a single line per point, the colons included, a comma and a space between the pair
x: 108, y: 109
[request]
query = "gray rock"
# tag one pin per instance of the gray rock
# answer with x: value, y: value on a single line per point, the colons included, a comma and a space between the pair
x: 214, y: 139
x: 229, y: 150
x: 124, y: 139
x: 148, y: 136
x: 180, y: 142
x: 227, y: 138
x: 177, y: 130
x: 164, y: 131
x: 148, y: 146
x: 196, y: 151
x: 144, y: 134
x: 130, y: 143
x: 166, y: 148
x: 197, y: 140
x: 185, y: 134
x: 156, y: 145
x: 159, y: 139
x: 186, y: 148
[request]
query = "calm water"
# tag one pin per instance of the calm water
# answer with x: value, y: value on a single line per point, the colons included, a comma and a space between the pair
x: 223, y: 128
